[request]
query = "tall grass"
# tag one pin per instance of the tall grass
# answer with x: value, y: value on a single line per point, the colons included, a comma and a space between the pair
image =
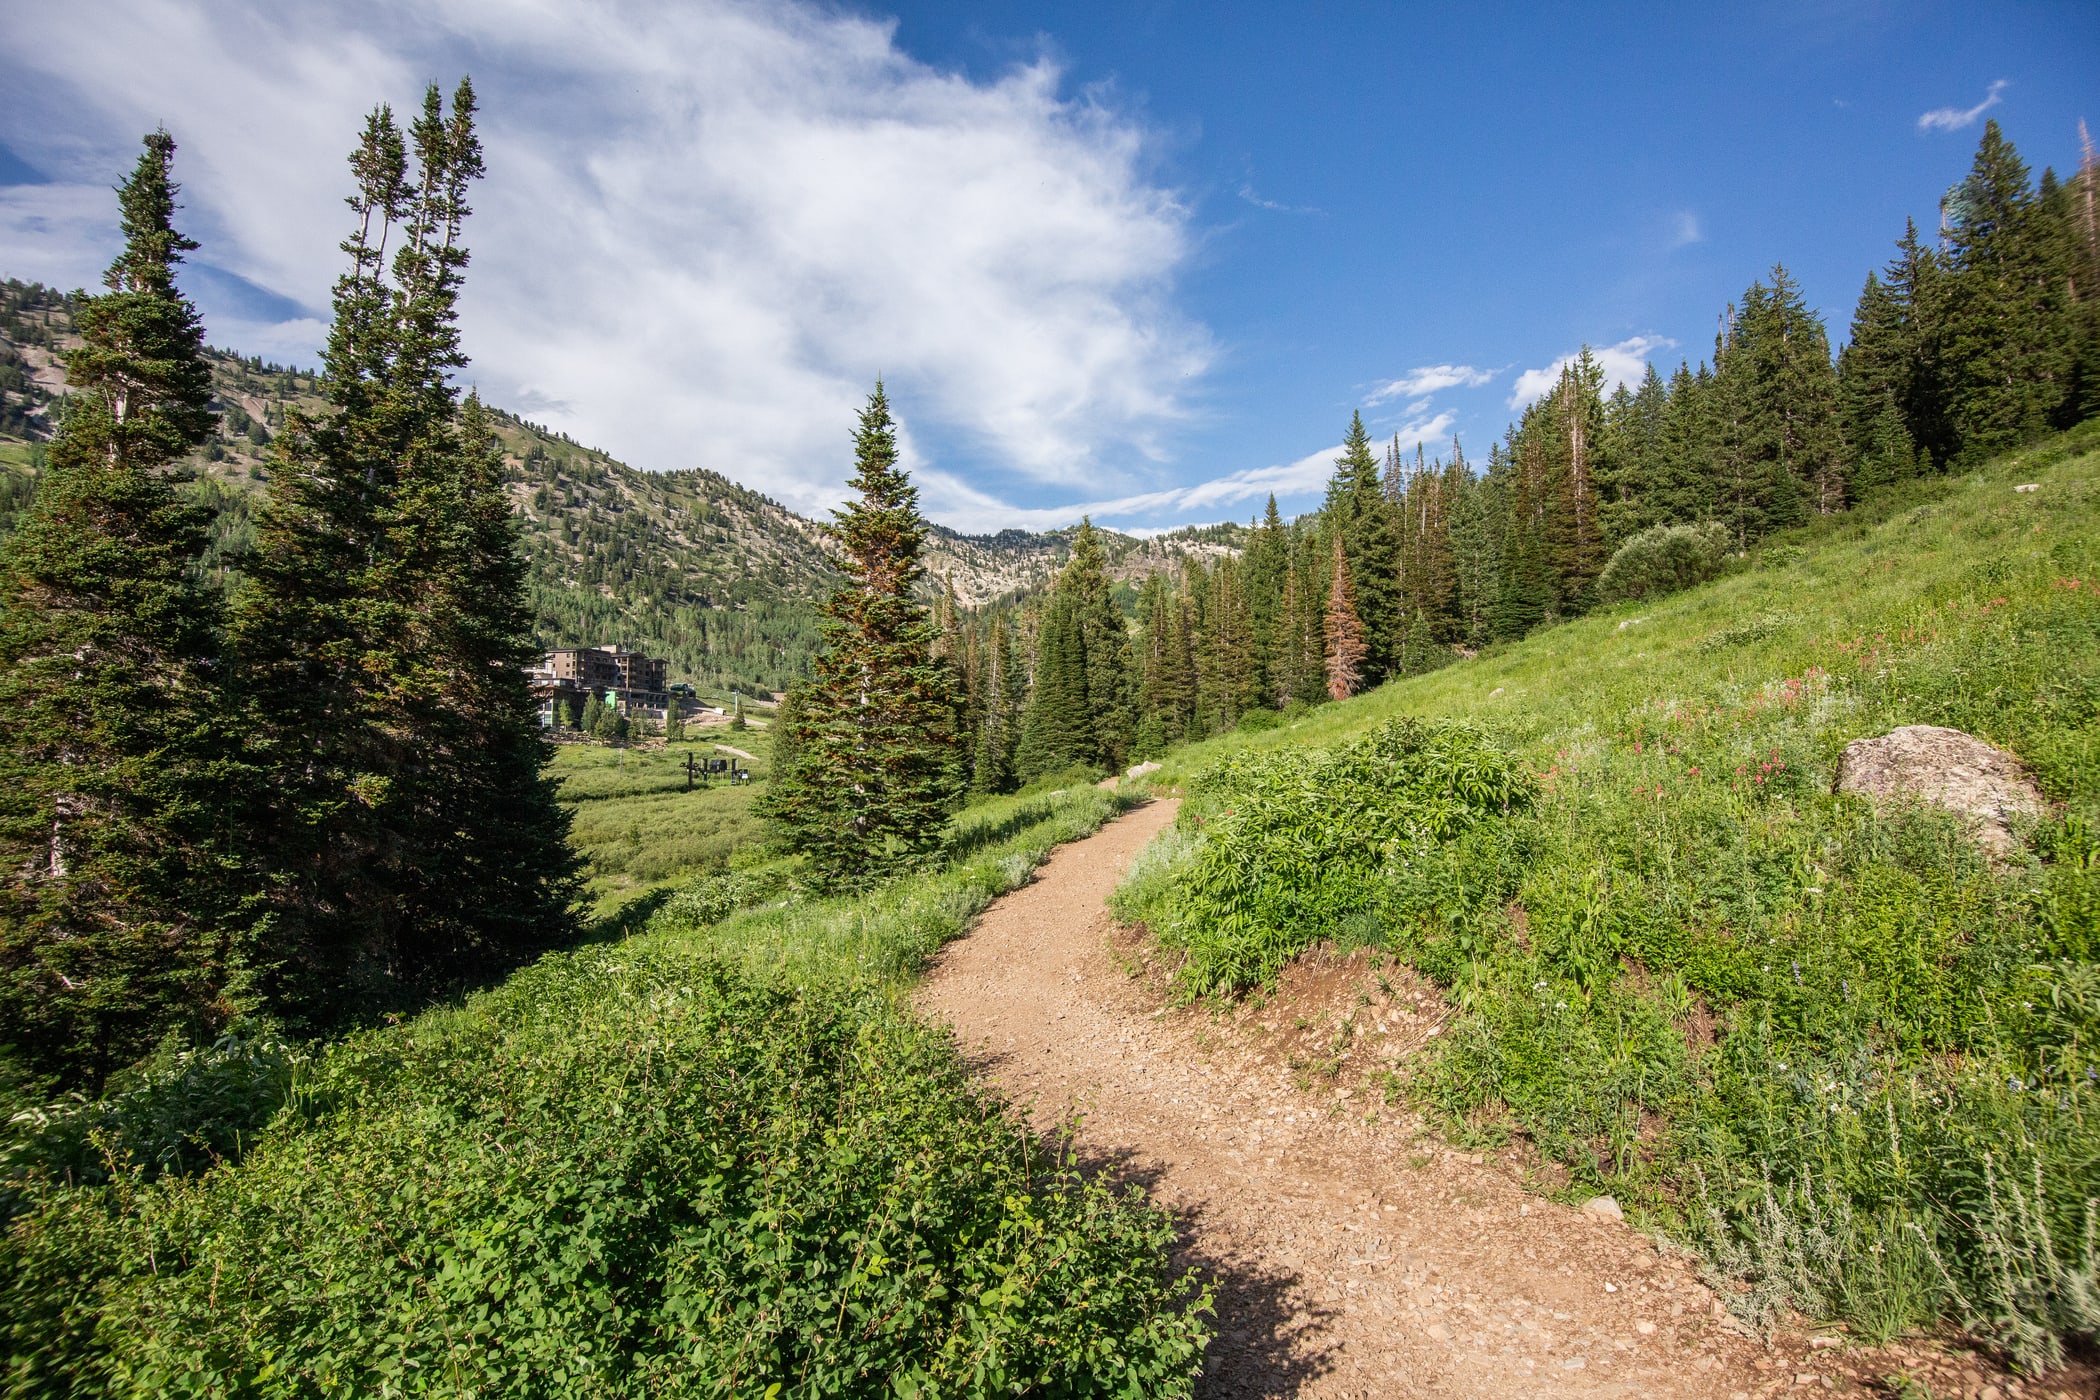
x: 1835, y: 1046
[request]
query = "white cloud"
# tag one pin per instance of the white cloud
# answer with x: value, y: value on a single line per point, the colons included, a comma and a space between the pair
x: 706, y: 228
x: 1429, y: 379
x: 966, y: 508
x: 1247, y: 192
x: 1685, y: 229
x: 1624, y: 363
x: 1955, y: 118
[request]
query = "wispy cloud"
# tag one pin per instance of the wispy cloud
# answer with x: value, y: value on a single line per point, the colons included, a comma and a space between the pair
x: 1247, y: 193
x: 1624, y: 363
x: 1955, y: 118
x: 707, y: 226
x: 1429, y: 379
x: 957, y: 503
x: 1685, y: 229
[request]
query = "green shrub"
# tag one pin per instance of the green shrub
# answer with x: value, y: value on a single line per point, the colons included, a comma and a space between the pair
x: 1662, y: 560
x: 628, y: 1172
x: 180, y: 1110
x: 1293, y: 845
x: 716, y: 1159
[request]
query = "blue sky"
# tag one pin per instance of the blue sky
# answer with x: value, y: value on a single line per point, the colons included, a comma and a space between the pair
x: 1143, y: 258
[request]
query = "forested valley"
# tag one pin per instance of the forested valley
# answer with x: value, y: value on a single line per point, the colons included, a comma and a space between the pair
x: 320, y: 1081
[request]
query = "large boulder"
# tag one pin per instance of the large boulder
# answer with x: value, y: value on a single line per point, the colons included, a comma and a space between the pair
x: 1950, y: 769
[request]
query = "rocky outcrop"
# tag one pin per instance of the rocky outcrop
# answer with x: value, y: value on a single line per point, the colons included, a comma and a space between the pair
x: 1947, y: 768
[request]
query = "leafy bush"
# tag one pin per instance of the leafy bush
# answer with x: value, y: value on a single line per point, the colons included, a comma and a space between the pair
x: 180, y: 1110
x: 1662, y: 560
x: 704, y: 1161
x: 1293, y: 844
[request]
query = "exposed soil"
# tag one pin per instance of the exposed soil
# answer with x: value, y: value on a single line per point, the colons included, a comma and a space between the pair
x: 1353, y: 1252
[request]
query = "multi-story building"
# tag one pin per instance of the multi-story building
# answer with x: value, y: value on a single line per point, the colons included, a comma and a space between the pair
x: 617, y: 675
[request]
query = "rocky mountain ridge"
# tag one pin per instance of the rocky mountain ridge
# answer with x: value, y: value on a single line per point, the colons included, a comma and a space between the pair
x: 689, y: 563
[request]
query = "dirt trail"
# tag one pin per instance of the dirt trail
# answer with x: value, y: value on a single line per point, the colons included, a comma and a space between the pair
x: 1352, y: 1257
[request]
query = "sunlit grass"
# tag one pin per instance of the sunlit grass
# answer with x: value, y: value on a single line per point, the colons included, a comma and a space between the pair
x: 1826, y: 1043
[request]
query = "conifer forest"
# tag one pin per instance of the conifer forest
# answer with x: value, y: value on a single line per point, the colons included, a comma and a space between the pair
x: 363, y: 1034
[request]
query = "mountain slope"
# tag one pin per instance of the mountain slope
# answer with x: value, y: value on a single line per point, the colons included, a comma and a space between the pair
x: 686, y: 564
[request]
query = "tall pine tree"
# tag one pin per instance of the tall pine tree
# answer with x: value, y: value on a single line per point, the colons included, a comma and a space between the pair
x: 875, y: 770
x: 1343, y: 631
x: 410, y: 841
x: 1363, y: 520
x: 120, y: 912
x: 2007, y: 345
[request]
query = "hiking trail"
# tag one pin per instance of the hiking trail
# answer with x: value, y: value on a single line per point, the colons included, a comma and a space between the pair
x: 1353, y: 1253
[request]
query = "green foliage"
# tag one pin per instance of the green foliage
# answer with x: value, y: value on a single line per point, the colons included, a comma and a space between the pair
x: 874, y: 764
x: 638, y: 827
x: 1835, y: 1047
x: 406, y: 841
x: 179, y: 1110
x: 1078, y: 710
x: 1663, y: 559
x: 716, y: 1159
x: 1295, y: 845
x: 122, y: 914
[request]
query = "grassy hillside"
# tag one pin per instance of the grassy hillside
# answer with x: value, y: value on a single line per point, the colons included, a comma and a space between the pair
x: 1835, y: 1048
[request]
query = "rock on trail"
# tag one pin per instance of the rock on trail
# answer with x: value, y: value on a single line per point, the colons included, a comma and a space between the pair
x: 1353, y: 1254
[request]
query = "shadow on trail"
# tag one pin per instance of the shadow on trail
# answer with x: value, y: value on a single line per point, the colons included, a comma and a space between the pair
x: 1269, y: 1340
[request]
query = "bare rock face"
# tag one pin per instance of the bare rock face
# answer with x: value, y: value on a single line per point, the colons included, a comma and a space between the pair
x: 1949, y: 769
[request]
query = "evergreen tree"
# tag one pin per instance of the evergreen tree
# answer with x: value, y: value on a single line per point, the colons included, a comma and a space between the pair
x: 1916, y: 279
x: 1261, y: 583
x: 1874, y: 372
x: 876, y: 771
x: 412, y: 842
x: 593, y: 714
x: 1236, y: 683
x: 1300, y: 675
x: 1057, y: 729
x: 674, y: 722
x: 2007, y: 346
x: 1428, y: 568
x: 1476, y: 558
x: 1570, y: 425
x: 1080, y: 710
x: 1758, y: 441
x: 1111, y: 687
x: 1634, y: 434
x: 1162, y: 683
x: 2078, y: 213
x: 120, y: 917
x: 1802, y: 399
x: 1681, y: 484
x: 992, y: 764
x: 1526, y: 598
x: 1343, y: 631
x: 1363, y: 520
